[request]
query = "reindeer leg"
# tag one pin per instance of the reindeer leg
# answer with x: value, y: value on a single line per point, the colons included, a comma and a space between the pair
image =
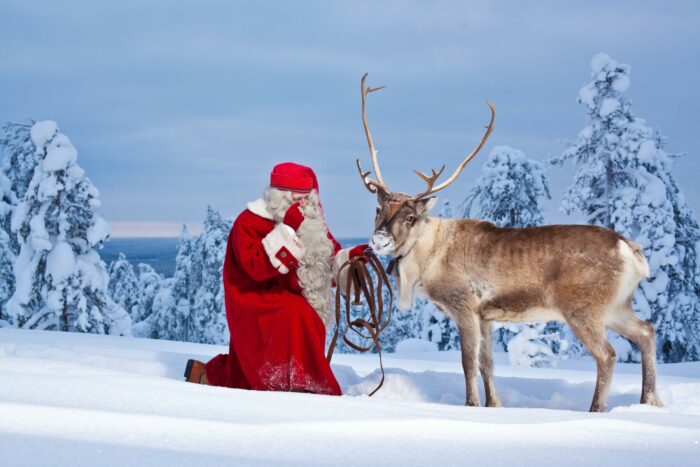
x: 591, y: 333
x: 470, y: 339
x: 628, y: 325
x: 486, y: 364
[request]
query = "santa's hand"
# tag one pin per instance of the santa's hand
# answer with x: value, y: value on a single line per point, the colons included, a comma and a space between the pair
x: 359, y: 250
x: 293, y: 217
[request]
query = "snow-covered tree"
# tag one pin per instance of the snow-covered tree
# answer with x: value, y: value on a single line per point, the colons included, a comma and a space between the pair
x: 190, y: 305
x: 209, y: 315
x: 508, y: 193
x: 172, y: 315
x: 7, y: 278
x: 534, y: 345
x: 623, y: 181
x: 123, y: 285
x: 149, y: 282
x: 162, y: 306
x: 16, y: 171
x: 509, y: 190
x: 21, y: 158
x: 61, y: 282
x: 7, y: 256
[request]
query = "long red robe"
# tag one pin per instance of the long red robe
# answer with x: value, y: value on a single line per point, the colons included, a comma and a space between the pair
x: 277, y: 338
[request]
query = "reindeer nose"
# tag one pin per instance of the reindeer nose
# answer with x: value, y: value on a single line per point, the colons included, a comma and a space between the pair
x: 381, y: 242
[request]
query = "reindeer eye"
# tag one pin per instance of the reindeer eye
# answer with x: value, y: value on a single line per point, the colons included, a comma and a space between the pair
x: 410, y: 218
x: 378, y: 209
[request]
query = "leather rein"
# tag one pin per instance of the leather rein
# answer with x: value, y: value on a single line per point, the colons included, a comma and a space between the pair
x: 359, y: 281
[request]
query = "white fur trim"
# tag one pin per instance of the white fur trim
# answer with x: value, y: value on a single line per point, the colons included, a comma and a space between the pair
x: 341, y: 281
x: 282, y: 236
x: 259, y: 207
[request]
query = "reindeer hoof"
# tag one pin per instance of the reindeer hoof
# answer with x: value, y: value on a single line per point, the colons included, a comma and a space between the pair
x: 651, y: 398
x: 597, y: 408
x: 494, y: 403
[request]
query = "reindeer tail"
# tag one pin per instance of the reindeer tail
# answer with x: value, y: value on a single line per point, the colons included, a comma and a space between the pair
x: 640, y: 261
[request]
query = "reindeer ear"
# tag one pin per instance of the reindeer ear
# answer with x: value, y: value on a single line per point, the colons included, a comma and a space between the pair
x: 425, y: 205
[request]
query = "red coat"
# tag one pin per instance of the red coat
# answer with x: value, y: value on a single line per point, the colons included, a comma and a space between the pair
x: 277, y: 338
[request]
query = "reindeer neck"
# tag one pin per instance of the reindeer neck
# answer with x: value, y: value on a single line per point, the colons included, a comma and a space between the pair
x: 421, y: 240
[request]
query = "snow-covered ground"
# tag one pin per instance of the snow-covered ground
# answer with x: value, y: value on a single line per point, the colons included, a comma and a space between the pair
x: 76, y: 399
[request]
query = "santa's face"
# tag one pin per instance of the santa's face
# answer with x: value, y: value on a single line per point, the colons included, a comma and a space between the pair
x: 301, y: 198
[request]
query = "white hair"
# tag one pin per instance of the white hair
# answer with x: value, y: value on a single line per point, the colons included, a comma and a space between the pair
x: 315, y: 267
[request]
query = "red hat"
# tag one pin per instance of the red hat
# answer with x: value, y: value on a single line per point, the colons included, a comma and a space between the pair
x: 293, y: 177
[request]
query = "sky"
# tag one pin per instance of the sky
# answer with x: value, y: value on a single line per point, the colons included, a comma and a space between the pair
x: 174, y: 106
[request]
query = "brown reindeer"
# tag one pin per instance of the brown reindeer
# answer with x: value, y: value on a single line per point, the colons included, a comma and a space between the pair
x: 476, y: 272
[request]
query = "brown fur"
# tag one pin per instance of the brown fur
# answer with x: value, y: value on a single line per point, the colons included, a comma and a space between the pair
x: 477, y: 272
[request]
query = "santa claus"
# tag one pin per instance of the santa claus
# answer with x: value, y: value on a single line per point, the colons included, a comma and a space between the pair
x: 279, y: 268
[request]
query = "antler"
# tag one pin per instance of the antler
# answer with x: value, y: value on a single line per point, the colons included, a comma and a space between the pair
x: 370, y: 184
x: 430, y: 181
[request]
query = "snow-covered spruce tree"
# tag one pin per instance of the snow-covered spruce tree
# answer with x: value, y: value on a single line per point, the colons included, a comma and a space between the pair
x: 535, y: 344
x: 123, y: 285
x: 7, y: 278
x: 162, y: 305
x: 149, y: 284
x: 623, y: 181
x: 20, y: 160
x: 509, y: 190
x: 172, y: 314
x: 209, y: 315
x: 7, y: 256
x: 508, y: 193
x: 190, y: 305
x: 61, y: 282
x: 16, y: 171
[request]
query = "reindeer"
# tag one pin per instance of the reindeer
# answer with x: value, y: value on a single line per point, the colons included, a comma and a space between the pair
x: 476, y: 273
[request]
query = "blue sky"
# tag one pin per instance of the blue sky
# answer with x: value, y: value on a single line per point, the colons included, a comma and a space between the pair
x: 176, y: 105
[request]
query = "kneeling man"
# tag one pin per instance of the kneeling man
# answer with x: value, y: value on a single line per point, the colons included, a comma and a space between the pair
x: 278, y: 272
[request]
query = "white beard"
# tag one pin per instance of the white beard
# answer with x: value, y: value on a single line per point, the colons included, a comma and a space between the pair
x: 315, y: 268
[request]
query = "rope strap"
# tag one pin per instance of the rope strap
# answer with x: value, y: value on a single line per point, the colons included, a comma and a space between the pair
x: 360, y: 277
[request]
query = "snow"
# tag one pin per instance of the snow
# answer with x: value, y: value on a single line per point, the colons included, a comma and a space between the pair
x: 587, y: 96
x: 600, y: 61
x: 77, y: 399
x: 415, y: 345
x: 98, y: 231
x: 609, y: 106
x: 647, y: 151
x: 60, y: 153
x: 528, y: 348
x: 621, y: 83
x: 23, y: 269
x: 42, y: 132
x: 40, y: 237
x: 60, y: 262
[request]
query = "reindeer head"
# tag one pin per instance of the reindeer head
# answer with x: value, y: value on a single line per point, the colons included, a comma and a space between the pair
x: 399, y: 213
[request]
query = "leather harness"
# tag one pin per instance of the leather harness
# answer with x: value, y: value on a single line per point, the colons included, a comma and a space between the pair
x: 359, y: 276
